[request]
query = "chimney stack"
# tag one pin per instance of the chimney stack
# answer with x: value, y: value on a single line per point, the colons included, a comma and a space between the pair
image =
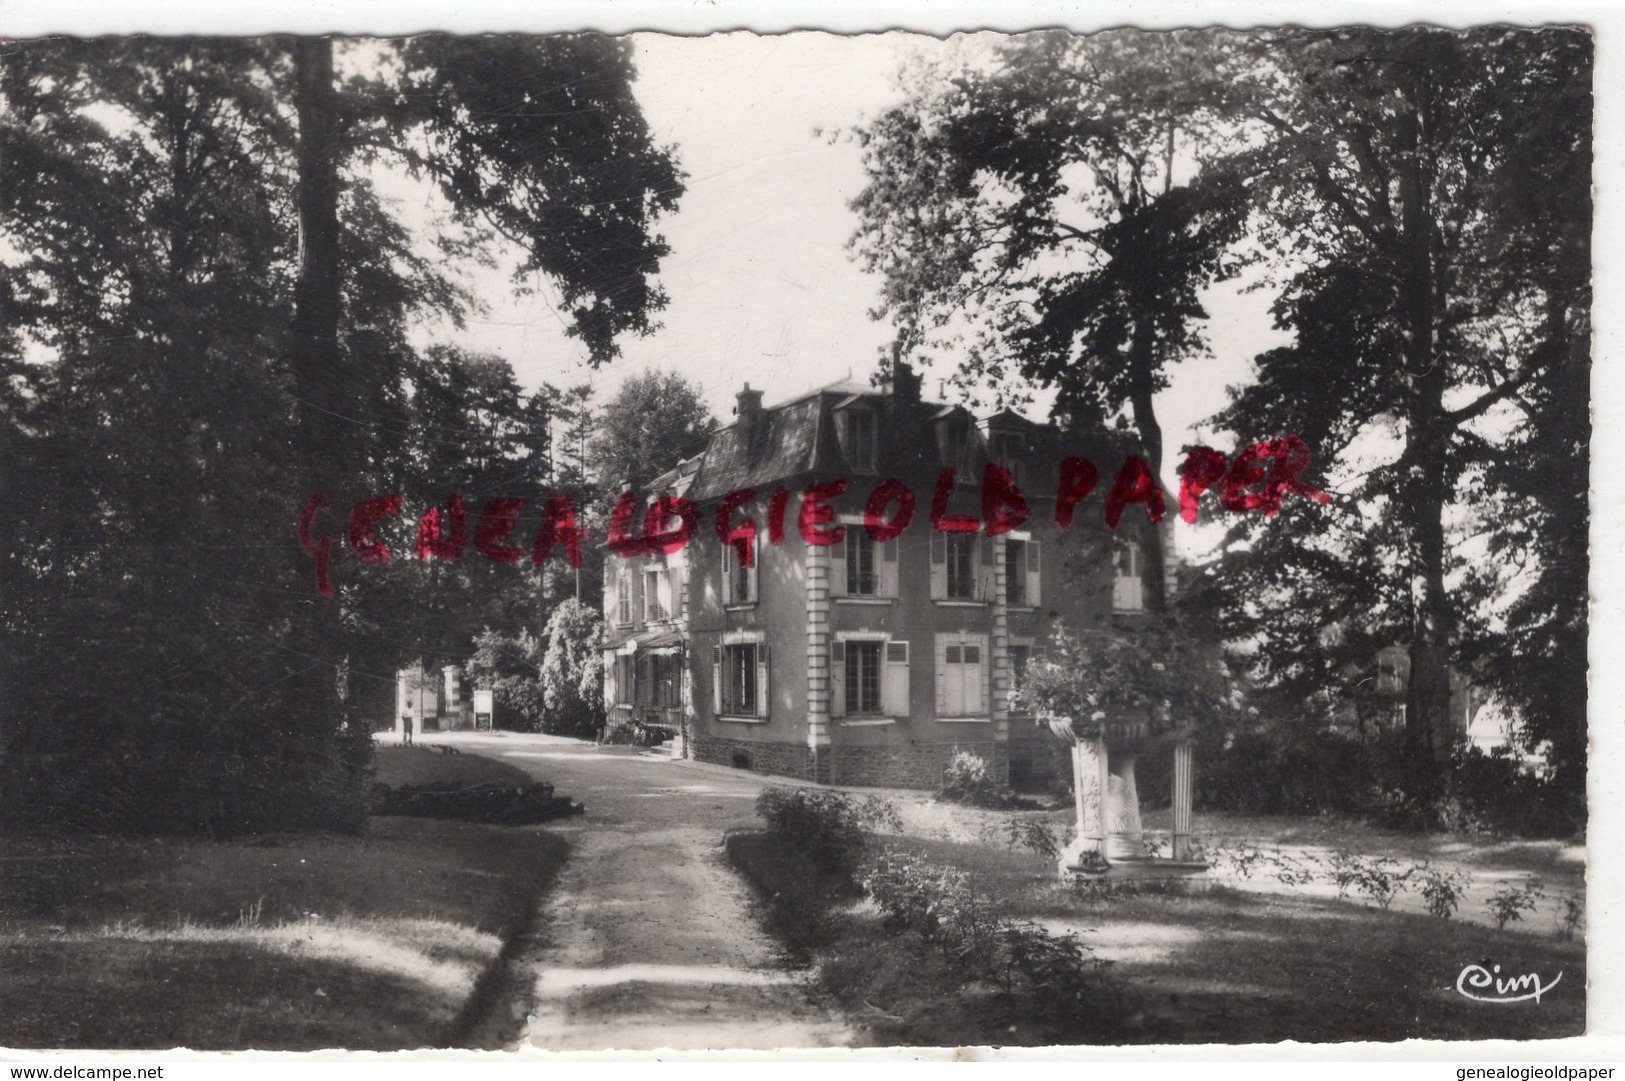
x: 905, y: 385
x: 749, y: 412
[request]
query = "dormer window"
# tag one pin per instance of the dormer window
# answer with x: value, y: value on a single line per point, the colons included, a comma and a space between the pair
x: 858, y: 432
x: 1006, y: 448
x: 957, y: 445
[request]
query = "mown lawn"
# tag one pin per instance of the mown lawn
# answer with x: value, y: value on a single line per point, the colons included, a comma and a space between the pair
x: 1211, y: 965
x: 379, y: 941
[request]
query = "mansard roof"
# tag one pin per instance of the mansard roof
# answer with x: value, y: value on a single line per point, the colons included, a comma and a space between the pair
x: 798, y: 438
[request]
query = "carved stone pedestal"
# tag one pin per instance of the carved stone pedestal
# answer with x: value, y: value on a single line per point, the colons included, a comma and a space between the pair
x: 1107, y: 805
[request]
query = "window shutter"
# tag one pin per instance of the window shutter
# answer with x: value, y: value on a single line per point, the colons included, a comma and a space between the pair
x: 755, y: 566
x: 761, y: 680
x: 984, y: 574
x: 727, y: 573
x: 894, y: 681
x: 716, y: 681
x: 837, y: 680
x: 975, y: 669
x: 1034, y: 597
x: 942, y: 675
x: 939, y: 566
x: 837, y: 567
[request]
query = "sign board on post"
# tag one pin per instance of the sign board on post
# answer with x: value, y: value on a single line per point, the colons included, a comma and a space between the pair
x: 482, y: 711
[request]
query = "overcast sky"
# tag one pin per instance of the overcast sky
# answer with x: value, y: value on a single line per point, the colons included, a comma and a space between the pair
x: 761, y: 283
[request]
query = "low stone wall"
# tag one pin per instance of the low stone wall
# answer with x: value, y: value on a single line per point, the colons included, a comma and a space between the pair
x: 780, y: 759
x: 912, y: 765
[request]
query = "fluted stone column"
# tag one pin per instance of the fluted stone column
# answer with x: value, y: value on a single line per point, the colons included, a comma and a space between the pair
x: 818, y: 659
x: 1184, y: 796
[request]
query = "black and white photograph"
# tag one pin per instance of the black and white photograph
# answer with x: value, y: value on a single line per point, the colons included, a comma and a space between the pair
x: 1056, y: 537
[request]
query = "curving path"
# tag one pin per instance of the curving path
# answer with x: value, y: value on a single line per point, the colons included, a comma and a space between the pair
x: 649, y: 939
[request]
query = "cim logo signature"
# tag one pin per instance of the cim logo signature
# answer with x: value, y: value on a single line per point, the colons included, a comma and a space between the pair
x: 1512, y: 989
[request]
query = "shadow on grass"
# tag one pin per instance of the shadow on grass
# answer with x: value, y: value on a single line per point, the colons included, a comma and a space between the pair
x: 219, y: 993
x: 1194, y: 964
x: 898, y: 989
x: 1212, y: 964
x: 380, y: 941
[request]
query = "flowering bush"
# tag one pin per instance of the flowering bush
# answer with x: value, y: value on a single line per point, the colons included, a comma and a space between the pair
x: 1154, y: 670
x: 966, y: 780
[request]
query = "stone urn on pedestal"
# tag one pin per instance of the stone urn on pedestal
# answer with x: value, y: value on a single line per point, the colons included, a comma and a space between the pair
x: 1107, y: 800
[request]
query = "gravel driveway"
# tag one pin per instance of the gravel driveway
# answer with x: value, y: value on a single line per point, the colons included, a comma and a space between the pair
x: 649, y: 940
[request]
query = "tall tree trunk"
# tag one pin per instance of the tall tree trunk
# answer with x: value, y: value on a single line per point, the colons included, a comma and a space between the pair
x: 317, y: 301
x: 1427, y: 692
x: 1153, y: 574
x: 315, y: 358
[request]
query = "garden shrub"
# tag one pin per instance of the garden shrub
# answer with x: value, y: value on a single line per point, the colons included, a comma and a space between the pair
x: 1493, y: 793
x: 1284, y: 770
x: 967, y: 780
x: 1441, y: 890
x: 571, y: 678
x: 1033, y: 834
x: 1509, y: 902
x: 1291, y: 769
x: 1055, y: 975
x: 507, y: 666
x: 828, y: 827
x: 1380, y: 878
x: 1570, y: 916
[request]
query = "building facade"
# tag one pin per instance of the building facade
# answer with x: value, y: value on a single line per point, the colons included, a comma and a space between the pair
x: 863, y: 661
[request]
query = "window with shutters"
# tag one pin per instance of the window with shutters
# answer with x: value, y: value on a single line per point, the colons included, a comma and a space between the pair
x: 1128, y: 590
x: 738, y: 580
x: 668, y: 682
x: 869, y: 677
x: 1029, y: 567
x: 655, y: 606
x: 623, y: 599
x: 961, y: 567
x: 625, y: 680
x: 962, y: 675
x: 1015, y: 573
x: 739, y: 680
x: 863, y: 678
x: 862, y: 568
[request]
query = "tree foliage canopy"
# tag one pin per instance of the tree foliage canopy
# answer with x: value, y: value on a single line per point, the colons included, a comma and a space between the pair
x: 204, y: 311
x: 1050, y: 211
x: 654, y: 420
x: 1429, y: 193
